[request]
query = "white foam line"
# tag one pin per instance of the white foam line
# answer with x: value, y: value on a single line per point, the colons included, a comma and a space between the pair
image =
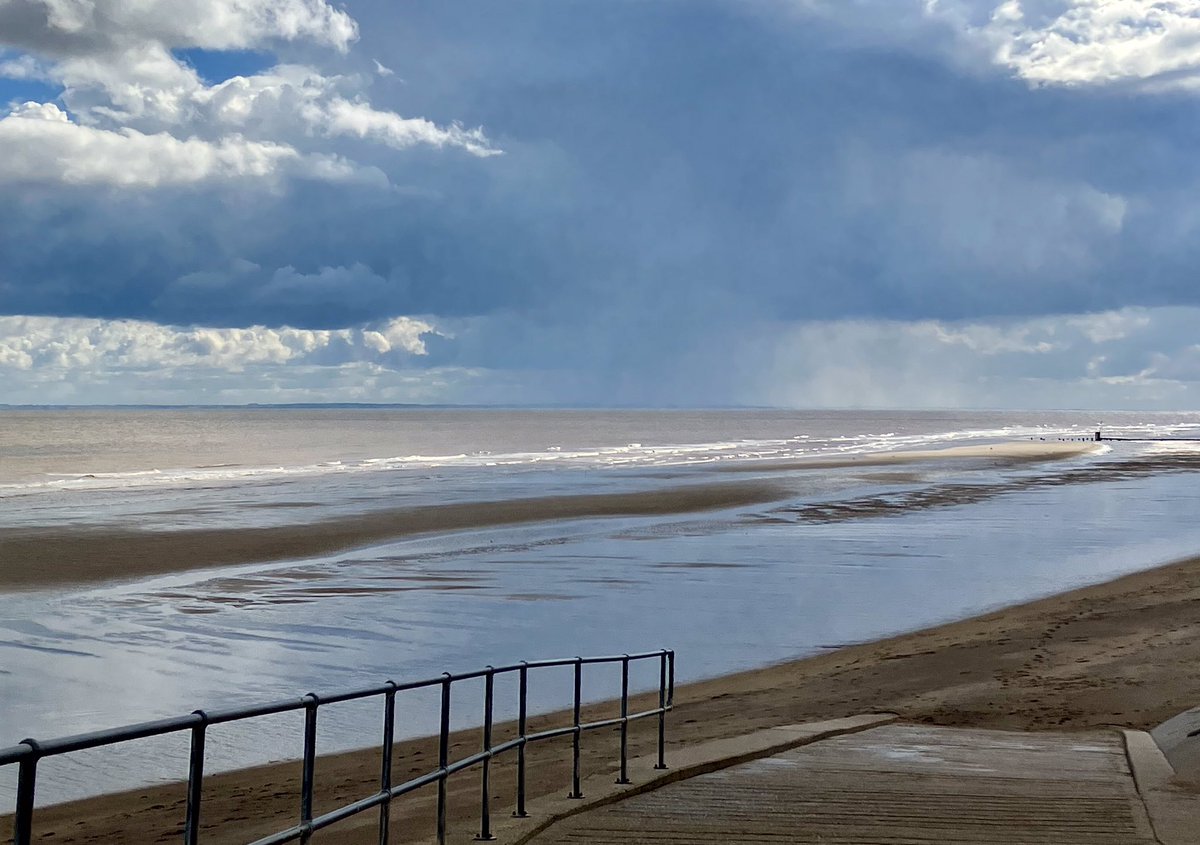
x: 629, y: 455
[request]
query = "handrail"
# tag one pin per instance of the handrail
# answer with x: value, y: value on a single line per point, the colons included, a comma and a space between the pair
x: 29, y: 752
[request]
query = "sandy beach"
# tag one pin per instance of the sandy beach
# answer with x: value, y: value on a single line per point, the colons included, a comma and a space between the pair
x: 43, y: 556
x: 56, y: 555
x: 1125, y: 653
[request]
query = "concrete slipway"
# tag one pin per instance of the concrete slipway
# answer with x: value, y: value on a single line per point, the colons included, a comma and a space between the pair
x: 871, y: 779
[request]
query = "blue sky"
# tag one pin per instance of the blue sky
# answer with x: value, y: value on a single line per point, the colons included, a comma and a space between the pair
x: 789, y: 202
x: 219, y: 65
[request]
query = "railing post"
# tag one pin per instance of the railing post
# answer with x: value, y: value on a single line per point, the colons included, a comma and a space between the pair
x: 522, y: 709
x: 191, y: 825
x: 670, y: 679
x: 200, y: 721
x: 308, y: 774
x: 485, y: 799
x: 624, y: 776
x: 26, y: 786
x: 385, y: 773
x: 576, y: 791
x: 443, y: 759
x: 662, y: 711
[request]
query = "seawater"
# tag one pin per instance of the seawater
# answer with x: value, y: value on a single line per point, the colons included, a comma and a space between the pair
x: 728, y: 590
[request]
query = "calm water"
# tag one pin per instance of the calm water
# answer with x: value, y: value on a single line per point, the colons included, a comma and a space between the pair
x: 728, y: 590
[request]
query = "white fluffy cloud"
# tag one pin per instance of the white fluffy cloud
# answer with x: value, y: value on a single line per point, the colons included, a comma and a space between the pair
x: 50, y: 360
x: 1046, y: 42
x: 42, y: 144
x: 106, y: 348
x: 339, y: 116
x: 1075, y: 42
x: 290, y: 96
x: 137, y: 115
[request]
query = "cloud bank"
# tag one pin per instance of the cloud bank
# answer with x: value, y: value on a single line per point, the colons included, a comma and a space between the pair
x: 67, y: 360
x: 1132, y: 358
x: 799, y: 202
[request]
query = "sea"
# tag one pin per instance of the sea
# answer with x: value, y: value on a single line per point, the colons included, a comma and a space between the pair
x: 845, y: 549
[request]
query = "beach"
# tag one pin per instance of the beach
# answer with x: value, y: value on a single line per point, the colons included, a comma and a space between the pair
x: 100, y: 554
x: 1124, y: 653
x: 835, y: 360
x: 221, y: 558
x: 66, y: 555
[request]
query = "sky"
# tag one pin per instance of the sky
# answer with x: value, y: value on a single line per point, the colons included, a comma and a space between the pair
x: 798, y: 203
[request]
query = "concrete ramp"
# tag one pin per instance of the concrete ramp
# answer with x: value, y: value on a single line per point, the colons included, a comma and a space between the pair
x: 1180, y: 747
x: 894, y: 784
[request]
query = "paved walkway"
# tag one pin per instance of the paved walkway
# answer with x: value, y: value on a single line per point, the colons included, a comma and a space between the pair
x: 894, y: 784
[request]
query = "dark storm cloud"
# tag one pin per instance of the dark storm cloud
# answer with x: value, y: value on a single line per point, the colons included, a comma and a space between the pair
x: 674, y: 174
x: 659, y: 151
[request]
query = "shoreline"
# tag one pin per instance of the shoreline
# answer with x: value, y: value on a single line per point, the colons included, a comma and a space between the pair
x: 1011, y: 452
x: 1125, y: 653
x: 42, y: 556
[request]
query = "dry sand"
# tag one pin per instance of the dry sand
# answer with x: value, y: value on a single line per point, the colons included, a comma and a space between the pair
x: 1126, y: 653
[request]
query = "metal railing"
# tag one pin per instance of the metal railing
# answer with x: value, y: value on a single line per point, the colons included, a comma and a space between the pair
x: 29, y: 752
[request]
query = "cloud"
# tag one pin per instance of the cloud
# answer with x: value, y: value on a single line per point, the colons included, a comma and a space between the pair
x: 43, y: 145
x: 1098, y: 42
x: 358, y: 119
x: 979, y: 216
x: 46, y: 360
x: 713, y: 202
x: 73, y: 27
x: 113, y: 346
x: 127, y: 93
x: 290, y: 95
x: 1132, y: 358
x: 22, y: 67
x: 344, y: 294
x: 1149, y: 44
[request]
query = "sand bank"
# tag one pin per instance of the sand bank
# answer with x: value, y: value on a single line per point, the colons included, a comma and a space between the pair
x: 48, y: 555
x: 1126, y: 653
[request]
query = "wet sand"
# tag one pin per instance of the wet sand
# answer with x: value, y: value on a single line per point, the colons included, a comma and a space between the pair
x: 955, y: 494
x: 1126, y: 653
x: 40, y: 556
x: 53, y: 555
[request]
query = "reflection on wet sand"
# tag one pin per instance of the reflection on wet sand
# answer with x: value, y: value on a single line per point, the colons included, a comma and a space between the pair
x: 723, y: 591
x: 955, y: 495
x: 299, y: 586
x: 33, y: 556
x: 38, y: 556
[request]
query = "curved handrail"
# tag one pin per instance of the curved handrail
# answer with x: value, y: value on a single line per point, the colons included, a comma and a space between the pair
x: 29, y: 752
